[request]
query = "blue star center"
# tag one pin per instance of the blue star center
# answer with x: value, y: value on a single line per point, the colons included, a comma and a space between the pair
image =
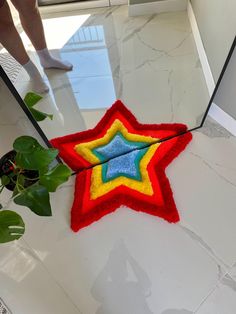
x: 127, y: 165
x: 118, y: 146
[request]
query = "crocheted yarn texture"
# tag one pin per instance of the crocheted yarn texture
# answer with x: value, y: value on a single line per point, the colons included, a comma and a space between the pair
x: 122, y: 162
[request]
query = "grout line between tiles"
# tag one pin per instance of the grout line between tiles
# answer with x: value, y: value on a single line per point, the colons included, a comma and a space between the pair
x: 220, y: 262
x: 206, y: 298
x: 213, y: 290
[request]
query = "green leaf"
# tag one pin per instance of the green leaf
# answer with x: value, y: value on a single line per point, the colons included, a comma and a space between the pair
x: 32, y: 99
x: 12, y: 226
x: 36, y: 198
x: 55, y: 177
x: 36, y: 160
x: 5, y: 180
x: 31, y: 155
x: 21, y: 179
x: 44, y: 170
x: 15, y: 192
x: 26, y: 144
x: 39, y: 115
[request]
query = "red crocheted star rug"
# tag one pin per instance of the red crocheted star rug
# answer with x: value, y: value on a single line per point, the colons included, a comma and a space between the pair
x: 122, y: 162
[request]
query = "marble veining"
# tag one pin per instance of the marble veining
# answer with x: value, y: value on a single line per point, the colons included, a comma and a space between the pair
x: 227, y: 280
x: 147, y: 62
x: 197, y: 238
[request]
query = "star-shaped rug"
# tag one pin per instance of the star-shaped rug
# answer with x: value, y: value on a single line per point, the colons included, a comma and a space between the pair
x: 122, y: 162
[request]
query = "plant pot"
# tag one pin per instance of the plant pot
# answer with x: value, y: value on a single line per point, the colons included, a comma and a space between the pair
x: 6, y: 168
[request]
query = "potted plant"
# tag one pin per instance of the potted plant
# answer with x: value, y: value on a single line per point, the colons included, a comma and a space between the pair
x: 30, y: 173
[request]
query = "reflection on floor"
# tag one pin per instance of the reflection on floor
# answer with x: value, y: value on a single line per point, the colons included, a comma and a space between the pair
x: 149, y: 62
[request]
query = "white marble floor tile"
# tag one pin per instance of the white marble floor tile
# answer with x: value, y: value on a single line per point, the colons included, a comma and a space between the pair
x: 26, y: 287
x: 204, y: 184
x: 232, y: 272
x: 169, y: 264
x: 127, y: 260
x: 222, y: 299
x: 170, y: 269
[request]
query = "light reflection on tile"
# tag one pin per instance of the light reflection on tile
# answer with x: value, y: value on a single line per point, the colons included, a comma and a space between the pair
x: 89, y: 92
x: 149, y: 62
x: 16, y: 264
x: 26, y: 286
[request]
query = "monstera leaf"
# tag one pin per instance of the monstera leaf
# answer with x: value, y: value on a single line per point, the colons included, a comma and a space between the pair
x: 12, y: 226
x: 37, y: 160
x: 26, y: 144
x: 31, y: 155
x: 36, y: 198
x: 31, y: 99
x: 55, y: 177
x: 39, y: 115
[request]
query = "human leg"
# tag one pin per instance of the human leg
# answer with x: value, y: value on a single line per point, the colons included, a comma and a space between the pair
x: 33, y: 26
x: 10, y: 39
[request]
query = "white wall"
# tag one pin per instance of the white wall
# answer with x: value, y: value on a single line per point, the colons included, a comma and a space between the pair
x: 226, y: 94
x: 217, y: 24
